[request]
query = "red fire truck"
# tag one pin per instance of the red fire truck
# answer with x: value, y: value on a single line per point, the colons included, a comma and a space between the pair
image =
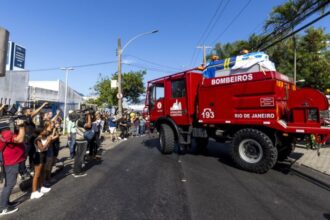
x: 260, y: 113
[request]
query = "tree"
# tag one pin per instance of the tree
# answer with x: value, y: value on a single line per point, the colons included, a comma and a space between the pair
x: 285, y: 17
x: 234, y: 48
x: 314, y: 59
x: 132, y: 86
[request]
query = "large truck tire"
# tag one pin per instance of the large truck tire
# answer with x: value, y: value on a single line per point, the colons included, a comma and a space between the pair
x: 166, y: 139
x: 253, y: 150
x: 201, y: 145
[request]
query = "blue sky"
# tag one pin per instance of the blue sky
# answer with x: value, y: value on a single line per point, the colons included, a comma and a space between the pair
x: 73, y: 32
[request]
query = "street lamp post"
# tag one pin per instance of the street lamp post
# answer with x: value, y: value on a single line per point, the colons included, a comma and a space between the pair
x: 120, y: 52
x: 66, y: 69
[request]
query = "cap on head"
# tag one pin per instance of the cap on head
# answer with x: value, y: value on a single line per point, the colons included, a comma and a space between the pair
x: 215, y: 57
x: 244, y: 51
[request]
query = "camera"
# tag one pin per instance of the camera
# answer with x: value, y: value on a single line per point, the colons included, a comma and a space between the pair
x: 12, y: 119
x: 87, y: 109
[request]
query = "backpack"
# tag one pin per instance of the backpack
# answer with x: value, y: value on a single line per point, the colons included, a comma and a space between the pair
x: 89, y: 134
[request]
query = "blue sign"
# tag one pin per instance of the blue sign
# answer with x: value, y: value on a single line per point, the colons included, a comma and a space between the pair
x: 19, y: 57
x: 15, y: 57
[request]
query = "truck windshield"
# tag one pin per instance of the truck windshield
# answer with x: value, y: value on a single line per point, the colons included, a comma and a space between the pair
x: 156, y: 94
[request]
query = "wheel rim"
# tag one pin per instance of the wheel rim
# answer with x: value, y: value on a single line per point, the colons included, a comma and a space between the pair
x: 250, y: 151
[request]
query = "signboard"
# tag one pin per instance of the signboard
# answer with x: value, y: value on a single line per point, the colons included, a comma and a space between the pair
x: 119, y: 96
x: 19, y: 58
x: 114, y: 84
x: 15, y: 57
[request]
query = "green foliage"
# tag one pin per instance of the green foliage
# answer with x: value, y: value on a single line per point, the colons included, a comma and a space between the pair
x: 314, y: 59
x: 313, y: 56
x: 234, y: 49
x: 132, y: 86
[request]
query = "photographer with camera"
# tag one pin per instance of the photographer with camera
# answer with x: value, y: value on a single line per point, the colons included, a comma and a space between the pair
x: 13, y: 153
x: 83, y: 127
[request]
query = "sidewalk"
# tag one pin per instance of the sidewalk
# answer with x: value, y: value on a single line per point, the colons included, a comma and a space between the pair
x: 309, y: 158
x: 63, y: 168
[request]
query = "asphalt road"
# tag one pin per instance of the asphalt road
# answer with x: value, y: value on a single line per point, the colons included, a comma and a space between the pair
x: 134, y: 181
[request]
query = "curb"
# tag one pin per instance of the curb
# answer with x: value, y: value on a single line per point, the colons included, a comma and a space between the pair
x: 311, y: 175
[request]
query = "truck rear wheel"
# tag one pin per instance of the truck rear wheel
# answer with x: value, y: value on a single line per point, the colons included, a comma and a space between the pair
x: 166, y: 139
x: 253, y: 150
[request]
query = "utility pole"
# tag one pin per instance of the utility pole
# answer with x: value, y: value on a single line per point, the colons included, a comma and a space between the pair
x: 66, y: 69
x: 4, y: 36
x: 119, y: 95
x: 120, y: 51
x: 204, y: 47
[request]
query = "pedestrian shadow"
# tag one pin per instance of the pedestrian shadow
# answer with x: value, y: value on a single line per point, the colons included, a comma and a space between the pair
x: 326, y: 216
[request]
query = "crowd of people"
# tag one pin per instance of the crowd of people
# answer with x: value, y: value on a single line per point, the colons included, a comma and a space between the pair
x: 31, y: 148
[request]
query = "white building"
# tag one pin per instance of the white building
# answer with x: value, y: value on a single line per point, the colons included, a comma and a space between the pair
x: 54, y: 92
x: 14, y: 87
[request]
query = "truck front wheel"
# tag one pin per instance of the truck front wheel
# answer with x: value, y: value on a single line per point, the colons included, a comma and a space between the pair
x: 253, y: 150
x: 166, y: 139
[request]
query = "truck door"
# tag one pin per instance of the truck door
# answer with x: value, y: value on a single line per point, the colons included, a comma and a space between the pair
x: 177, y: 102
x: 156, y: 101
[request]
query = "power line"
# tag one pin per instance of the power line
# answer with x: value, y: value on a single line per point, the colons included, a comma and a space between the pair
x: 153, y: 63
x: 218, y: 18
x: 212, y: 27
x: 213, y: 21
x: 296, y: 31
x: 233, y: 20
x: 147, y: 68
x: 76, y: 66
x: 278, y: 31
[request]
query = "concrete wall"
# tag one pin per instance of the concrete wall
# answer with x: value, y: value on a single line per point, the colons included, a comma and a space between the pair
x: 14, y: 87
